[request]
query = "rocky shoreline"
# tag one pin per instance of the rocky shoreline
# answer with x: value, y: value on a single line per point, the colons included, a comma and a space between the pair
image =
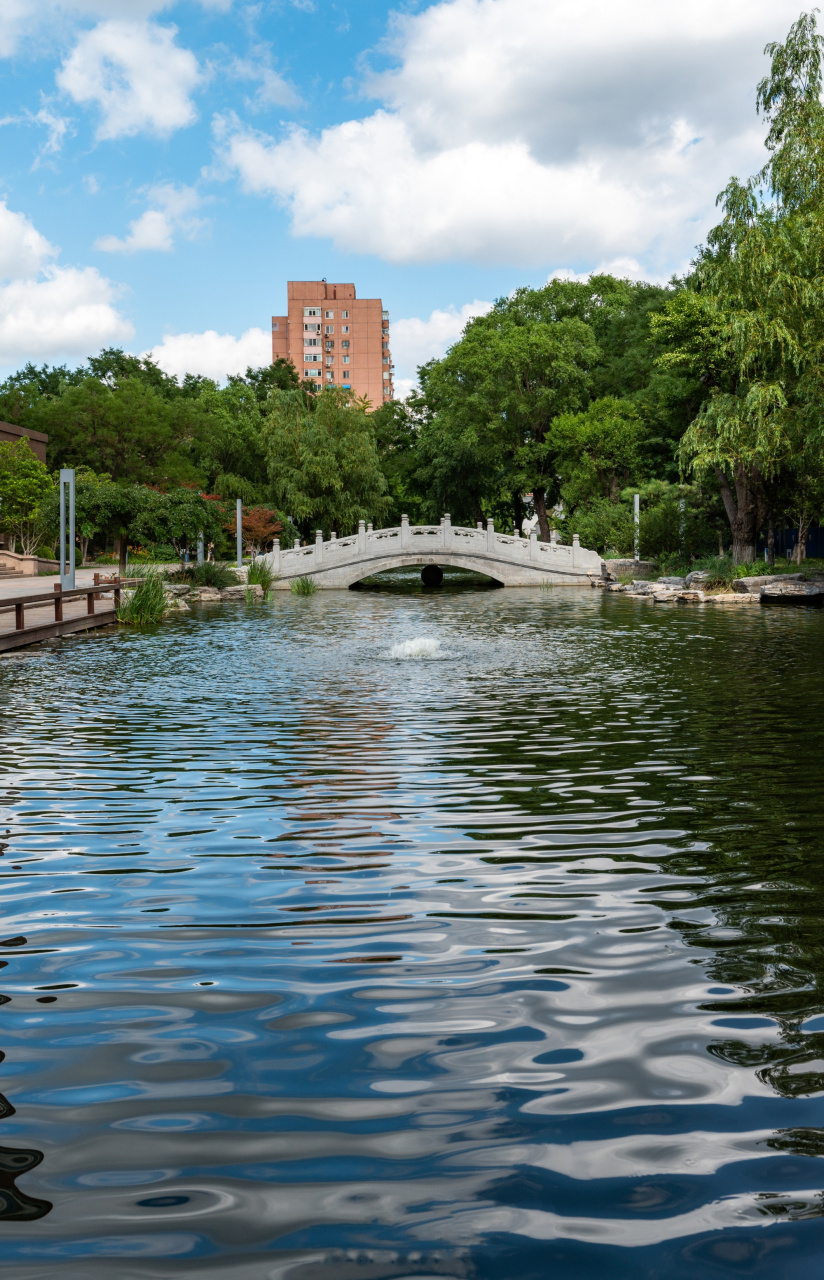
x: 179, y: 595
x: 776, y: 588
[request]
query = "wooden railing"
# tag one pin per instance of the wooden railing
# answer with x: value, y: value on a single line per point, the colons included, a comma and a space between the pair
x: 57, y: 598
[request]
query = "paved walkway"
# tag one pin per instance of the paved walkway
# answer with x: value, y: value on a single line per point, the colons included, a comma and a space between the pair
x: 12, y: 587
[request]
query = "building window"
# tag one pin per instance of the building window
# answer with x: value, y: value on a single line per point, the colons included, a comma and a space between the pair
x: 345, y: 345
x: 386, y: 375
x: 275, y: 326
x: 311, y: 373
x: 330, y: 328
x: 311, y: 328
x: 344, y: 315
x: 344, y: 328
x: 330, y: 315
x: 384, y: 315
x: 311, y: 342
x: 330, y: 346
x: 345, y: 359
x: 311, y: 311
x: 386, y: 360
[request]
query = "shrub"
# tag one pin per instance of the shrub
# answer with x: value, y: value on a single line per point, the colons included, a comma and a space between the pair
x: 147, y: 603
x: 261, y: 573
x: 208, y: 574
x: 303, y: 586
x: 603, y: 526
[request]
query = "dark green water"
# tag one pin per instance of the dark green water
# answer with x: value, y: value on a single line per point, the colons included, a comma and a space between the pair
x: 507, y: 963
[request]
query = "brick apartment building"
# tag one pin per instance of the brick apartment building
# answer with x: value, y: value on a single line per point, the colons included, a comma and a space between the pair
x: 336, y: 337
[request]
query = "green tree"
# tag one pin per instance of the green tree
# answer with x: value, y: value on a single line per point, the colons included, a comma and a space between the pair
x: 231, y: 452
x: 24, y: 487
x: 177, y: 516
x: 130, y: 431
x: 598, y: 451
x: 757, y: 335
x: 397, y: 432
x: 323, y: 461
x: 494, y: 397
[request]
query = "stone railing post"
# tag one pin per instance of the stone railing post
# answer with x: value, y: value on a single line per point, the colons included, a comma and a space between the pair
x: 490, y: 535
x: 369, y: 527
x: 333, y: 537
x: 533, y: 545
x: 553, y: 535
x: 404, y: 531
x: 362, y: 535
x: 276, y: 556
x: 319, y: 546
x: 447, y: 530
x: 576, y: 547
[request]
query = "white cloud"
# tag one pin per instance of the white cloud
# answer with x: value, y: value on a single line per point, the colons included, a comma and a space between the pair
x: 415, y: 341
x: 213, y: 354
x: 57, y: 127
x: 24, y: 252
x: 567, y: 132
x: 45, y: 19
x: 48, y: 312
x: 272, y: 91
x: 136, y: 74
x: 155, y: 229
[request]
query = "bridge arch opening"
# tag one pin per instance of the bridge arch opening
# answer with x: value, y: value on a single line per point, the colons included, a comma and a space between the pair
x: 425, y: 577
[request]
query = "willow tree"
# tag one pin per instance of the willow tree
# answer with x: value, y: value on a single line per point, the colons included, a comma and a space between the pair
x: 754, y: 325
x: 322, y: 456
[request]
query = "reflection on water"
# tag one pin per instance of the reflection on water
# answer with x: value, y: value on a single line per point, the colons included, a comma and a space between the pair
x: 507, y: 966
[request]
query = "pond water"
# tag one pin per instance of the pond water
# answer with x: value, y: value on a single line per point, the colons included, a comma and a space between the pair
x: 498, y: 958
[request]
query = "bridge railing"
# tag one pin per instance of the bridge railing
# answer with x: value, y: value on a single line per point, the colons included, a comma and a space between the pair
x: 427, y: 539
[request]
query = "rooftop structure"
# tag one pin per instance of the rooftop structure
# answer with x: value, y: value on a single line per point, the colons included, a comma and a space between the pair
x: 338, y: 339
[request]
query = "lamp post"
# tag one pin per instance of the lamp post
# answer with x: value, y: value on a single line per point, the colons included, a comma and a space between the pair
x: 636, y: 506
x: 67, y: 528
x: 239, y: 532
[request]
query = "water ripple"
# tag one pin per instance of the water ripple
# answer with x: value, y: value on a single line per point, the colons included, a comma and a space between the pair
x: 502, y: 963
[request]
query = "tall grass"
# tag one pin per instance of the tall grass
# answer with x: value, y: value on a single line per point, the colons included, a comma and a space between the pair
x: 208, y: 574
x: 261, y: 574
x: 145, y: 571
x: 303, y: 586
x: 147, y: 603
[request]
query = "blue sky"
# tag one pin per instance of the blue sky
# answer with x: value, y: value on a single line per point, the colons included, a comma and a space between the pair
x: 166, y: 167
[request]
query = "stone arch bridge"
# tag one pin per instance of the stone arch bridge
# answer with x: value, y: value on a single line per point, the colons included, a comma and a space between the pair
x: 511, y: 561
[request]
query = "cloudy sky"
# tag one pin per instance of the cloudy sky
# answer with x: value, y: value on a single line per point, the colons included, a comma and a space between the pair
x: 166, y: 167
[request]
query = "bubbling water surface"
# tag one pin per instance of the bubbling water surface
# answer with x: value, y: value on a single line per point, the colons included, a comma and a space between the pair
x: 317, y: 964
x: 419, y: 647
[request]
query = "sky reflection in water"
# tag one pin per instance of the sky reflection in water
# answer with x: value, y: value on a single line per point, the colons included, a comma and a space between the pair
x: 503, y: 963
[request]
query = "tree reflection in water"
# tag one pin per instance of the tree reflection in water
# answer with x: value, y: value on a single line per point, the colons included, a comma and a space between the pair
x: 15, y: 1205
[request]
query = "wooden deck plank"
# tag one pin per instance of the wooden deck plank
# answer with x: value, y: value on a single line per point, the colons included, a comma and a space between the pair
x: 43, y: 627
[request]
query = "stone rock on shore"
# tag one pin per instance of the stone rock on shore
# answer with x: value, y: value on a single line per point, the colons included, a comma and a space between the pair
x: 620, y: 568
x: 205, y: 593
x: 239, y: 592
x: 174, y: 604
x: 749, y: 585
x: 732, y: 597
x: 791, y: 593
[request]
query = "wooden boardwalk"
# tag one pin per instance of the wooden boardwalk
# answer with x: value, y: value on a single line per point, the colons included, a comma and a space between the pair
x: 29, y: 618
